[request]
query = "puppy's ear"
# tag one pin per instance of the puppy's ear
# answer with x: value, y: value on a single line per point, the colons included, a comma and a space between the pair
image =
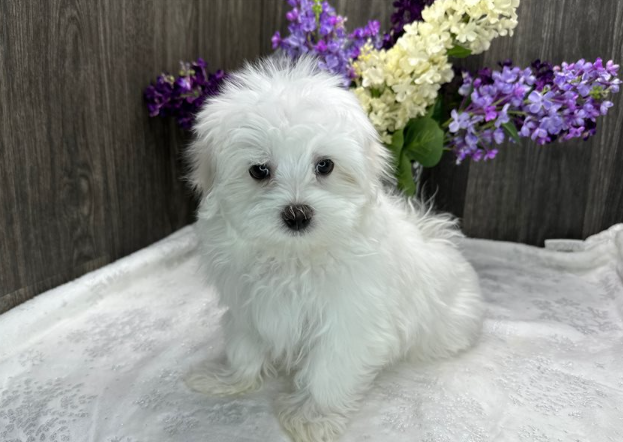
x: 200, y: 154
x: 379, y: 160
x: 201, y: 169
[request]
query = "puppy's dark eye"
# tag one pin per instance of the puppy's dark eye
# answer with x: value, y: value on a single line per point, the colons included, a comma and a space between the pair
x: 324, y: 167
x: 259, y: 172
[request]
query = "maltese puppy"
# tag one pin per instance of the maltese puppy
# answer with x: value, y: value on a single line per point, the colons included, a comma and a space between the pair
x: 325, y: 275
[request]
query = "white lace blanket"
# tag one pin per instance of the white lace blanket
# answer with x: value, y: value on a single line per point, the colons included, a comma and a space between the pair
x: 101, y: 358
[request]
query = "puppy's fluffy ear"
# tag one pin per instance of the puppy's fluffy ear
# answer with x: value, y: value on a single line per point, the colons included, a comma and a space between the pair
x: 379, y: 160
x: 200, y: 154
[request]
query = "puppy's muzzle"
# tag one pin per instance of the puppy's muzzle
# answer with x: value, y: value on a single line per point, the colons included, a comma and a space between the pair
x: 297, y: 217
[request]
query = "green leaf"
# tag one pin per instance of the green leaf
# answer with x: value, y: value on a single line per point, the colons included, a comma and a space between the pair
x: 317, y: 8
x: 396, y: 146
x: 436, y: 111
x: 423, y: 141
x: 511, y: 131
x: 398, y: 141
x: 404, y: 174
x: 459, y: 51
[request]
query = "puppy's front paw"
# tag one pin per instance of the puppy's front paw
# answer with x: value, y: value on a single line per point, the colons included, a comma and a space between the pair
x: 302, y: 418
x: 220, y: 382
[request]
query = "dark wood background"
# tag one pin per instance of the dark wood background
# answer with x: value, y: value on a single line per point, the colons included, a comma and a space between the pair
x: 86, y: 177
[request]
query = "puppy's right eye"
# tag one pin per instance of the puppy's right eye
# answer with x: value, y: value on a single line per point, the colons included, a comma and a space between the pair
x: 259, y: 172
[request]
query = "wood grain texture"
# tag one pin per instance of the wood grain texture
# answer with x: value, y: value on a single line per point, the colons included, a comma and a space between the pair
x: 86, y: 177
x: 569, y: 190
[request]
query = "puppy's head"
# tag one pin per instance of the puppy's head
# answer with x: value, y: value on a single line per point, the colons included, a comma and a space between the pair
x: 286, y: 155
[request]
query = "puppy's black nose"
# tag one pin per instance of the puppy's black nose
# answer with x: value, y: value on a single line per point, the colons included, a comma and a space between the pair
x: 297, y: 216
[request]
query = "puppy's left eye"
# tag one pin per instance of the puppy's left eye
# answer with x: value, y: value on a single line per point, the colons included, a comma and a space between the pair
x: 259, y: 172
x: 324, y: 167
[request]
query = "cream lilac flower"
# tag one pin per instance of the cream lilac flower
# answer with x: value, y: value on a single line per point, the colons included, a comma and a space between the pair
x: 400, y: 83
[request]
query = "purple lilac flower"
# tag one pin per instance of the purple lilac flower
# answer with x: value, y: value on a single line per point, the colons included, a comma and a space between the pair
x: 183, y: 96
x: 544, y: 74
x: 543, y: 103
x: 405, y: 12
x: 459, y: 121
x: 316, y: 28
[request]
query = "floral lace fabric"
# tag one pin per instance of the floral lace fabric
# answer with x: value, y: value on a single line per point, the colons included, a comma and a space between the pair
x: 102, y: 358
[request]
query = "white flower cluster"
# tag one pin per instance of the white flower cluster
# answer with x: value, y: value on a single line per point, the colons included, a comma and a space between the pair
x: 398, y: 84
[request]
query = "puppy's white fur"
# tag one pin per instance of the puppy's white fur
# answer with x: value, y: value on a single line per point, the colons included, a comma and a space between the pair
x: 371, y: 281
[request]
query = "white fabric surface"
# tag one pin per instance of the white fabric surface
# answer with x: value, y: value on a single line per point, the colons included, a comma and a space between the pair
x: 101, y: 358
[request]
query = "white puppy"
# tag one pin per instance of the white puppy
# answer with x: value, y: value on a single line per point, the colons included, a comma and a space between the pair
x: 324, y: 274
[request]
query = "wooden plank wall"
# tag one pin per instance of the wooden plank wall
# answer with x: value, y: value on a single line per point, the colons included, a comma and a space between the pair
x: 569, y: 190
x: 86, y: 177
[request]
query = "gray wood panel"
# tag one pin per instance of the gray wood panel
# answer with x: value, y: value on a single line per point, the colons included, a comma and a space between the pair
x: 567, y: 190
x: 86, y: 177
